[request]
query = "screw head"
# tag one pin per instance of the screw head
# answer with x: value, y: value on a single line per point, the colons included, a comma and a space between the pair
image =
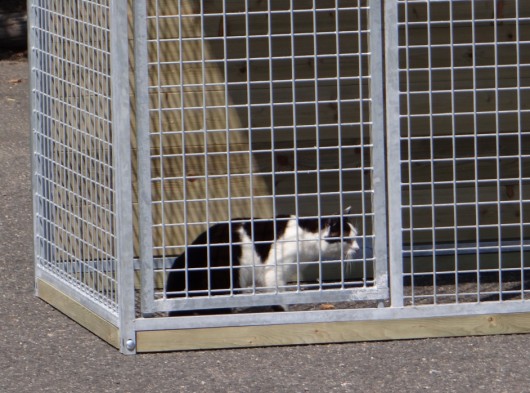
x: 130, y: 345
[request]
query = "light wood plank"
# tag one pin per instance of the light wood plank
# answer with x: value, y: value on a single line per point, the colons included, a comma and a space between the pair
x: 74, y: 310
x: 193, y: 135
x: 316, y: 333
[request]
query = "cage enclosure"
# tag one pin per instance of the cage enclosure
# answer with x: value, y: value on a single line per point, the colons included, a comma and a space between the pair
x: 159, y: 123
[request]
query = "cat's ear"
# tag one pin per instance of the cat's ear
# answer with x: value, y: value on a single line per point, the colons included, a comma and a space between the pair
x: 344, y: 212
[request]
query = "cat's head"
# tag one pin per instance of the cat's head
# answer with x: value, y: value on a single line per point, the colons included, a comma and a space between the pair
x: 338, y: 236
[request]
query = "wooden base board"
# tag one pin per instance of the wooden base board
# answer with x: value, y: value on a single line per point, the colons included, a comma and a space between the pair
x: 79, y: 313
x: 336, y: 332
x: 287, y: 334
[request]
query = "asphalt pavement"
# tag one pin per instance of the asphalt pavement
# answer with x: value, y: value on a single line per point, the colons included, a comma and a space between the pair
x: 42, y: 350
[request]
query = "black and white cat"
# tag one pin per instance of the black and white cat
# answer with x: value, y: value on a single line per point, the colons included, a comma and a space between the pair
x: 260, y: 254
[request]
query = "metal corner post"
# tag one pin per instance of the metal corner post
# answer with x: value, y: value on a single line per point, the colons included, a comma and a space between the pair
x: 378, y: 141
x: 41, y: 188
x: 34, y: 125
x: 143, y: 159
x: 393, y: 151
x: 122, y: 163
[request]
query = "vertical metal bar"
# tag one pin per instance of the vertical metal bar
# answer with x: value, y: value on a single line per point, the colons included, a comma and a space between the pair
x: 475, y: 145
x: 393, y: 157
x: 375, y: 27
x: 362, y: 125
x: 295, y: 125
x: 431, y: 159
x: 45, y: 85
x: 35, y: 125
x: 121, y: 147
x: 226, y: 86
x: 248, y: 87
x: 317, y: 141
x: 183, y: 140
x: 454, y: 159
x: 160, y: 114
x: 497, y: 145
x: 520, y: 148
x: 272, y: 121
x: 38, y: 45
x: 145, y: 220
x: 339, y: 131
x: 409, y: 148
x: 204, y: 108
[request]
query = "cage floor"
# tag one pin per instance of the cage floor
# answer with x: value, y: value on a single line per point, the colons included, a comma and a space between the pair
x: 430, y: 289
x: 472, y: 287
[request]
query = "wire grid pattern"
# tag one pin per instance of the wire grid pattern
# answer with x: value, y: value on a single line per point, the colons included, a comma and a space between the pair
x: 72, y: 139
x: 259, y: 109
x: 465, y: 110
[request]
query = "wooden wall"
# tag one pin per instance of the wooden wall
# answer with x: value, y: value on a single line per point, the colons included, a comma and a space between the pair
x: 474, y: 102
x: 466, y: 94
x: 495, y: 112
x: 217, y: 75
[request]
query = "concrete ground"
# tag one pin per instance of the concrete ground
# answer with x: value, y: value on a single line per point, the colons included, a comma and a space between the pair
x: 42, y: 350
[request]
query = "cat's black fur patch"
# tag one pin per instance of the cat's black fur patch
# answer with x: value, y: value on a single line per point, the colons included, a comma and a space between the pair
x: 221, y: 245
x: 309, y: 224
x: 219, y: 275
x: 335, y: 224
x: 337, y: 230
x: 263, y: 235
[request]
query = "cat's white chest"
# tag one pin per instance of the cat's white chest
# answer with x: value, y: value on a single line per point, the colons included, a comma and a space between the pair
x: 250, y: 265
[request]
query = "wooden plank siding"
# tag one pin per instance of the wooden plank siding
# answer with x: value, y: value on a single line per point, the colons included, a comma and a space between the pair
x: 468, y: 102
x: 314, y: 333
x: 446, y: 88
x: 204, y: 78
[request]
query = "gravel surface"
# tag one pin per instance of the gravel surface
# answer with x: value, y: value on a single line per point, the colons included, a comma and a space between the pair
x: 42, y: 350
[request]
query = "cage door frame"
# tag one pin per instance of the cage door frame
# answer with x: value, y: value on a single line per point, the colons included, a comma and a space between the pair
x: 375, y: 75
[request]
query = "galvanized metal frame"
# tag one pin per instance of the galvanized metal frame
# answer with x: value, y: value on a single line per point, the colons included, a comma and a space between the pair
x: 150, y: 303
x: 108, y: 29
x: 393, y: 149
x: 145, y: 222
x: 119, y: 46
x: 387, y: 186
x: 45, y: 146
x: 480, y: 251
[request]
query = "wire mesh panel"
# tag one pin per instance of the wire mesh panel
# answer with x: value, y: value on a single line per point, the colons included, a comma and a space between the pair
x: 465, y: 94
x: 258, y: 167
x: 260, y: 110
x: 74, y: 173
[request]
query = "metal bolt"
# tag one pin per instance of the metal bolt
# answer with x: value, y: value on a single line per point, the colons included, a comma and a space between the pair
x: 130, y: 345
